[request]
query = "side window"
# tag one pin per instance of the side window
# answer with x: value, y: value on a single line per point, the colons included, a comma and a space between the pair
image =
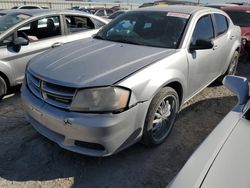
x: 41, y: 29
x: 42, y: 23
x: 98, y: 23
x: 6, y: 41
x: 221, y: 24
x: 78, y: 24
x: 203, y: 29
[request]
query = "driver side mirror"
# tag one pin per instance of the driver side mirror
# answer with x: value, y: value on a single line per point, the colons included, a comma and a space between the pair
x: 20, y: 41
x: 201, y: 44
x: 239, y: 86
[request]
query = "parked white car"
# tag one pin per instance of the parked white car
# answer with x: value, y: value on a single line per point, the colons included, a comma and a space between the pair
x: 223, y: 159
x: 27, y: 33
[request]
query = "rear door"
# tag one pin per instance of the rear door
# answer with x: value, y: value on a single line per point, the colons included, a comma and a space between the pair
x: 224, y: 39
x: 42, y: 33
x: 79, y: 27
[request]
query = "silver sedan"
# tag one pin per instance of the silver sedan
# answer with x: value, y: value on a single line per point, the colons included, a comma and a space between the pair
x: 26, y: 33
x: 98, y: 96
x: 222, y: 160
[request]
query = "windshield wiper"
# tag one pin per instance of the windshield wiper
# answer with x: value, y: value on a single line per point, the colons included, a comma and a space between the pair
x: 127, y: 41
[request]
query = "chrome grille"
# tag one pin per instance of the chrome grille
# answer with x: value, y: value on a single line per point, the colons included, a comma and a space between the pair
x: 56, y: 95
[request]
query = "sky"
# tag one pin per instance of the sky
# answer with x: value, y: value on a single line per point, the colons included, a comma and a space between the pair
x: 202, y: 1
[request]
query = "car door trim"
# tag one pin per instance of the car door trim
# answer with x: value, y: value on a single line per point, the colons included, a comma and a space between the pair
x: 24, y: 54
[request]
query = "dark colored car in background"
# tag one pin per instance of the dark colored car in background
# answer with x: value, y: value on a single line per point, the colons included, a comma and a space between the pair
x: 104, y: 12
x: 146, y: 5
x: 98, y: 11
x: 240, y: 15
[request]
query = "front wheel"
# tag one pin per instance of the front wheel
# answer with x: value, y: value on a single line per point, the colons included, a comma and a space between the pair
x: 3, y: 88
x: 161, y: 117
x: 233, y: 64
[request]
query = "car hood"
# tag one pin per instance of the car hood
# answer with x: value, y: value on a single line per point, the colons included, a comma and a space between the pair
x: 93, y: 62
x: 232, y: 164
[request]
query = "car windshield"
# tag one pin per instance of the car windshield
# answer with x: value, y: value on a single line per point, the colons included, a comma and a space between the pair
x: 157, y: 29
x: 9, y: 20
x: 239, y: 18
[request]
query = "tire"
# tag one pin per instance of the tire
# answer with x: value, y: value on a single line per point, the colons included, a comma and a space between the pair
x: 232, y: 67
x: 3, y: 88
x: 157, y: 127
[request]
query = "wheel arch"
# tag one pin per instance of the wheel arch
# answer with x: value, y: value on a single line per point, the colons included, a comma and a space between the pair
x: 177, y: 86
x: 6, y: 79
x: 236, y: 48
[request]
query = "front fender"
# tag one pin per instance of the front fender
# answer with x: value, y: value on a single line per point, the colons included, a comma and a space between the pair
x: 5, y: 68
x: 147, y: 82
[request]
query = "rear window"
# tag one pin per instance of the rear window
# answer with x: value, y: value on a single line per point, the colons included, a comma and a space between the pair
x: 221, y: 24
x: 240, y: 18
x: 78, y: 23
x: 29, y: 7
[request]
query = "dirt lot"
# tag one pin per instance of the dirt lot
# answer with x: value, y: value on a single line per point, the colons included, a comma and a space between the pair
x: 29, y: 160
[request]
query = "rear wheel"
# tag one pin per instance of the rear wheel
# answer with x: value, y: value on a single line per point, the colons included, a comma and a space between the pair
x: 161, y: 117
x: 3, y: 88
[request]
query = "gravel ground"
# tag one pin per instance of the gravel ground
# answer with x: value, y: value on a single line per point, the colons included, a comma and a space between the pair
x: 30, y: 160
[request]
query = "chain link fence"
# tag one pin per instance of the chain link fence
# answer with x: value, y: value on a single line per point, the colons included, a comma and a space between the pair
x: 57, y: 4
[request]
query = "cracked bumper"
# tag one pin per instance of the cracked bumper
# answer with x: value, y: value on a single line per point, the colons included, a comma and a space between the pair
x: 89, y: 134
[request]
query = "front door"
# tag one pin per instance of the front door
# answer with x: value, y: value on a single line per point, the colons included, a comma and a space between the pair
x: 203, y: 64
x: 42, y: 34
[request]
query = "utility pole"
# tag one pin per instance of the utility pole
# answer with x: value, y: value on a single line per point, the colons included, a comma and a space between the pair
x: 198, y: 2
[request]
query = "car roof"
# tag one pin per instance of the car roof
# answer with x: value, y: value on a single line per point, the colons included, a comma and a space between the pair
x: 187, y: 9
x: 237, y: 8
x: 221, y: 4
x: 37, y: 12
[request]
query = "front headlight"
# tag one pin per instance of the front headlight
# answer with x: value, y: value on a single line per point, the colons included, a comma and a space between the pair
x: 103, y: 99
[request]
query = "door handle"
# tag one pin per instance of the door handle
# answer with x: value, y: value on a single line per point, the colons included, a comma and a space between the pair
x: 215, y: 47
x: 232, y: 37
x: 56, y: 44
